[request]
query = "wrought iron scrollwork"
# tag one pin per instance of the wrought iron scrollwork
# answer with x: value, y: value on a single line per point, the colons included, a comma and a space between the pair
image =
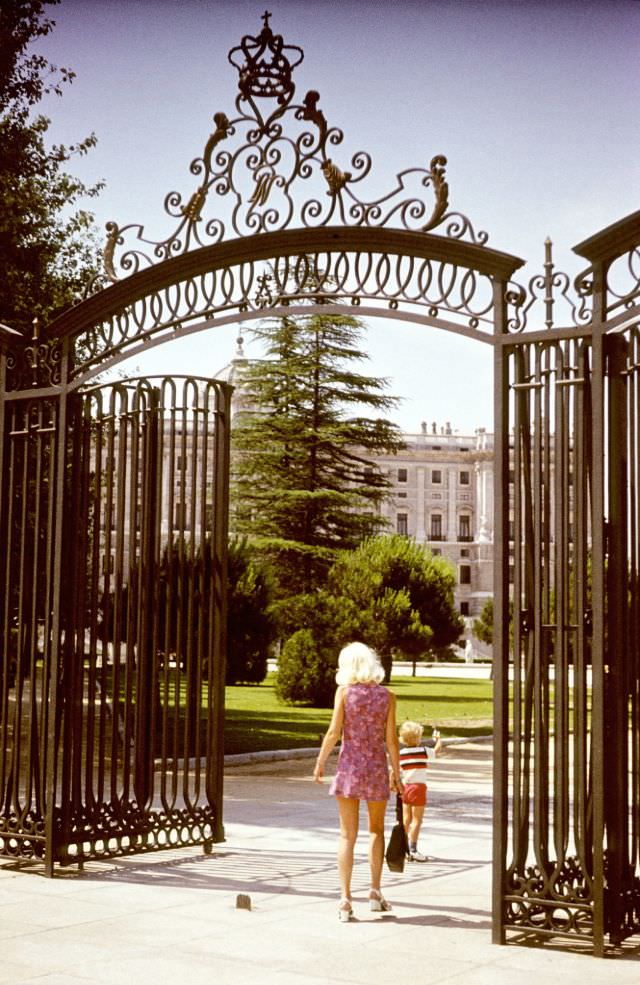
x: 554, y: 900
x: 623, y: 281
x: 545, y: 292
x: 414, y: 285
x: 37, y: 364
x: 262, y: 174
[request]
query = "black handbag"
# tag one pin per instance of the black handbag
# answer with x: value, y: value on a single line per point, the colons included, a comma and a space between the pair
x: 397, y: 846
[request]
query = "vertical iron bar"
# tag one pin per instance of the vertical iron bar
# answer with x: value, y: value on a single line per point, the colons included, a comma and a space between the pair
x: 145, y: 509
x: 519, y: 819
x: 58, y: 470
x: 560, y: 748
x: 215, y: 754
x: 579, y: 616
x: 539, y: 576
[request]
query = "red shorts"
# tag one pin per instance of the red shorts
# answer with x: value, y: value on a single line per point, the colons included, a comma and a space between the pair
x: 415, y: 794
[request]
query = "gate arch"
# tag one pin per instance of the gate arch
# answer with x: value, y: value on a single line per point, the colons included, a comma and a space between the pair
x: 386, y: 272
x: 567, y: 831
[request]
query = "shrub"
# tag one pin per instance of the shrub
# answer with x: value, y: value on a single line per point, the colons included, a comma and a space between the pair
x: 306, y: 671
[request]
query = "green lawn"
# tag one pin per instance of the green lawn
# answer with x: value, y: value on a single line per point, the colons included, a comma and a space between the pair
x: 256, y: 720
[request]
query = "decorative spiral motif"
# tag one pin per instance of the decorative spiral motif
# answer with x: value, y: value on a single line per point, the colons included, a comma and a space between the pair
x: 113, y: 829
x: 559, y: 901
x: 623, y: 281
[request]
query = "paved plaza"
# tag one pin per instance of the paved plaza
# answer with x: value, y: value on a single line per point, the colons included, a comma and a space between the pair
x: 171, y: 918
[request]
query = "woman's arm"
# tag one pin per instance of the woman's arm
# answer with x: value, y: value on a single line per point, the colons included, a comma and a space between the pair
x: 332, y: 735
x: 391, y: 740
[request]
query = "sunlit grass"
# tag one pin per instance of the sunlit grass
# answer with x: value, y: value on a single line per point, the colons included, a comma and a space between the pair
x: 256, y: 720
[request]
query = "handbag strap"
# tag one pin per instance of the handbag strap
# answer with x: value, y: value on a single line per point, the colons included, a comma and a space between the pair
x: 399, y: 814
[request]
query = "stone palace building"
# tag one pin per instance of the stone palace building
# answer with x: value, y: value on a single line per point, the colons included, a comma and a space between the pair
x: 442, y: 496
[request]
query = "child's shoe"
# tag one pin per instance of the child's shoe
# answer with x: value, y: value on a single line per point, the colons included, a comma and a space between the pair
x: 416, y: 856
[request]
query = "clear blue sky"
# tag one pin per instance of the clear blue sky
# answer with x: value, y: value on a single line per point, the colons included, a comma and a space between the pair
x: 534, y: 103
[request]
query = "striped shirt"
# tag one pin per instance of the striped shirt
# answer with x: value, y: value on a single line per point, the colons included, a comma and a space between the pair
x: 414, y: 761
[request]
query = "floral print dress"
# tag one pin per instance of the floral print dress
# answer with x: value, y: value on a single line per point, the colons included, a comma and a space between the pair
x: 362, y: 765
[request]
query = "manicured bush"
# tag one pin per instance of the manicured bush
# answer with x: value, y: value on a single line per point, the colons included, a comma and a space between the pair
x: 306, y: 671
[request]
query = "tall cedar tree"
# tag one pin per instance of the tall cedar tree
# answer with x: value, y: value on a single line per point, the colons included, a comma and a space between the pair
x: 303, y: 487
x: 48, y: 250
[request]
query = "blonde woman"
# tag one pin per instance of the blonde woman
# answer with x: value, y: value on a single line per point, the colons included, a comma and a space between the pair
x: 364, y: 715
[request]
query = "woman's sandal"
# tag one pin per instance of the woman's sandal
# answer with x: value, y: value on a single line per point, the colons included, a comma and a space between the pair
x: 345, y: 911
x: 378, y: 903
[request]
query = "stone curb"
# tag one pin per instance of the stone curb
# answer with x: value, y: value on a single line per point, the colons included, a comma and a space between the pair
x: 275, y: 755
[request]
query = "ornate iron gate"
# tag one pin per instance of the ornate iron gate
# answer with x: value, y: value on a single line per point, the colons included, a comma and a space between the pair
x: 113, y: 539
x: 567, y: 833
x: 113, y: 510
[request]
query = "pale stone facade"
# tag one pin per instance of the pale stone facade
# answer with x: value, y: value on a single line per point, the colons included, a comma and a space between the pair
x: 442, y: 496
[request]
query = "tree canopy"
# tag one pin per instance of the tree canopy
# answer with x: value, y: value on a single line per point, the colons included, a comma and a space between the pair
x: 390, y: 593
x: 303, y: 486
x: 48, y: 246
x: 483, y: 626
x: 401, y: 595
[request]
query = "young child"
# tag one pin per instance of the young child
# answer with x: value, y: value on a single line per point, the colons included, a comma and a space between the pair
x: 414, y: 761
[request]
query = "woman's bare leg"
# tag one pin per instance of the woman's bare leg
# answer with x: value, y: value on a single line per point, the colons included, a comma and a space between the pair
x: 349, y: 810
x: 377, y: 809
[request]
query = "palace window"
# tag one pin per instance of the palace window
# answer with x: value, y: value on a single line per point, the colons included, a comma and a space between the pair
x: 402, y: 524
x: 464, y: 530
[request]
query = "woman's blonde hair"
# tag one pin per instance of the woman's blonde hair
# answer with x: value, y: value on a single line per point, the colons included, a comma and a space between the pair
x: 411, y: 733
x: 359, y: 664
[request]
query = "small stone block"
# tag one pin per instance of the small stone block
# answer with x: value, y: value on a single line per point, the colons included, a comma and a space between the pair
x: 243, y: 902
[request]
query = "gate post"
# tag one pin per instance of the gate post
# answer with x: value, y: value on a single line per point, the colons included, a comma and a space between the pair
x: 500, y: 611
x: 598, y: 547
x: 617, y: 666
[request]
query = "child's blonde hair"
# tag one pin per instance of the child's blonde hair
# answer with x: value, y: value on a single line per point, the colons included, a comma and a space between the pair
x: 411, y: 733
x: 359, y: 664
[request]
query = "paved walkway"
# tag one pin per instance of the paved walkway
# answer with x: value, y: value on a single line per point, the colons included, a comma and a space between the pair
x: 171, y: 918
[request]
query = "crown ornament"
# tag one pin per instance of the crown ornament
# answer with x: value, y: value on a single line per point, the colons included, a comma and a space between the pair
x: 264, y: 67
